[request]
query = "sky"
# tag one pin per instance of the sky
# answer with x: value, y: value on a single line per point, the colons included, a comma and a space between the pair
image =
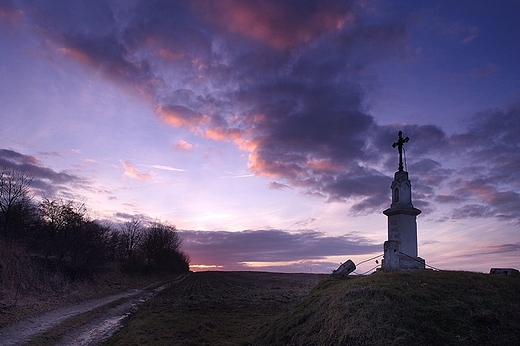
x: 263, y: 130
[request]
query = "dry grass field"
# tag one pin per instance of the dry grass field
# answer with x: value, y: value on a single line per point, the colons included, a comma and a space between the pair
x: 259, y: 308
x: 215, y: 308
x: 251, y: 308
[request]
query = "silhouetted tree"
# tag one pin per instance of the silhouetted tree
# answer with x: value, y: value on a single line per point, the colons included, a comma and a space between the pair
x: 59, y: 220
x: 69, y: 240
x: 87, y: 249
x: 59, y: 236
x: 131, y: 237
x: 14, y: 198
x: 161, y: 246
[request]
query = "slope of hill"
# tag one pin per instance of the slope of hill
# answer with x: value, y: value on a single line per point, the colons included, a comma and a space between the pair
x: 412, y: 308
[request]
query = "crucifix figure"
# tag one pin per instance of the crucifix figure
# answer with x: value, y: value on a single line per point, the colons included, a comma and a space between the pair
x: 399, y: 145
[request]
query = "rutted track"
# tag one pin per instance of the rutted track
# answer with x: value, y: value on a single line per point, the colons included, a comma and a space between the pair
x: 98, y: 327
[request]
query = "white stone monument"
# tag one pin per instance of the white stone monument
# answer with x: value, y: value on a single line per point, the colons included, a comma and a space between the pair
x: 400, y: 250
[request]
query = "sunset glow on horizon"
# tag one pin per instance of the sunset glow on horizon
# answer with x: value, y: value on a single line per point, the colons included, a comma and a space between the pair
x: 263, y: 129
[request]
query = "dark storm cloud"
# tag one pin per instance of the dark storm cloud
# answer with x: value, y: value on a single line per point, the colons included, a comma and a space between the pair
x: 287, y: 81
x: 495, y: 139
x: 283, y: 78
x: 232, y: 248
x: 491, y: 179
x: 45, y: 180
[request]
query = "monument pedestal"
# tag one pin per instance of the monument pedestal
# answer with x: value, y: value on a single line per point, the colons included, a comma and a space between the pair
x: 393, y: 259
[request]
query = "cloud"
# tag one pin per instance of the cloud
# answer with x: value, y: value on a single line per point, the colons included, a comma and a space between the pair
x: 252, y: 72
x: 88, y: 160
x: 288, y: 83
x: 304, y: 223
x: 472, y: 33
x: 182, y: 145
x: 486, y: 71
x: 168, y: 168
x: 50, y: 153
x: 273, y: 185
x: 132, y: 172
x: 501, y: 248
x: 279, y: 24
x: 471, y: 211
x: 232, y: 249
x: 10, y: 16
x: 447, y: 198
x: 492, y: 249
x: 490, y: 179
x: 237, y: 176
x: 178, y: 115
x: 45, y: 180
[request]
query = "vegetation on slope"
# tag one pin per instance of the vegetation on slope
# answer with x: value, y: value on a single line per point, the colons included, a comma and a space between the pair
x: 411, y: 308
x: 52, y: 248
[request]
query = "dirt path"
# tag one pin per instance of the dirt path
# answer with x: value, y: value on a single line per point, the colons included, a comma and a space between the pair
x: 93, y: 329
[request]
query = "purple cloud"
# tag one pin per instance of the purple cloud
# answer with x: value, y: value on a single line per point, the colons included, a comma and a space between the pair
x: 232, y: 249
x: 45, y: 180
x: 287, y: 82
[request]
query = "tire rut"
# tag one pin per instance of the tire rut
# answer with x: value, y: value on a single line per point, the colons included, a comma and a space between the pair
x: 99, y: 328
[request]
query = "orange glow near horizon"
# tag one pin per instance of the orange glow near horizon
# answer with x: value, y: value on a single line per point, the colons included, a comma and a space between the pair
x: 277, y: 263
x: 201, y: 267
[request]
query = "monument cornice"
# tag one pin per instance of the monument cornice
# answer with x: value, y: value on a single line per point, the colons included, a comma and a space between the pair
x: 402, y: 210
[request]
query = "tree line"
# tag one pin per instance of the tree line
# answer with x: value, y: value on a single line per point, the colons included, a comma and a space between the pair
x: 60, y: 237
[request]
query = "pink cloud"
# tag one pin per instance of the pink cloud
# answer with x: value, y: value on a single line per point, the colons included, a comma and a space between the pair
x: 276, y: 23
x: 10, y: 17
x: 238, y: 136
x: 274, y: 169
x: 91, y: 161
x: 170, y: 55
x: 178, y: 116
x: 182, y: 145
x: 78, y: 55
x: 324, y: 165
x: 132, y: 172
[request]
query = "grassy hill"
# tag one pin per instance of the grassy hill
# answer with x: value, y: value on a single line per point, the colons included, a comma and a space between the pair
x: 254, y: 308
x: 412, y: 308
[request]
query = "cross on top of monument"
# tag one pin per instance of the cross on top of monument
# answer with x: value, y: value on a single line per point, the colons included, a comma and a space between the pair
x: 399, y: 145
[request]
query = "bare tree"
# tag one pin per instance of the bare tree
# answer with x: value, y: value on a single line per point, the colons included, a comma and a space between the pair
x: 14, y: 193
x: 131, y: 237
x: 60, y: 220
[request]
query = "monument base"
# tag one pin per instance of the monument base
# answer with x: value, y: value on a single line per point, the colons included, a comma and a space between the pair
x: 393, y: 259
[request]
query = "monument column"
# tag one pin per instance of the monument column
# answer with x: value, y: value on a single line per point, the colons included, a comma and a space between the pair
x: 401, y: 246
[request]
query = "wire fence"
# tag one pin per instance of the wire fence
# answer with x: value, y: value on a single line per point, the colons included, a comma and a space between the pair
x: 378, y: 264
